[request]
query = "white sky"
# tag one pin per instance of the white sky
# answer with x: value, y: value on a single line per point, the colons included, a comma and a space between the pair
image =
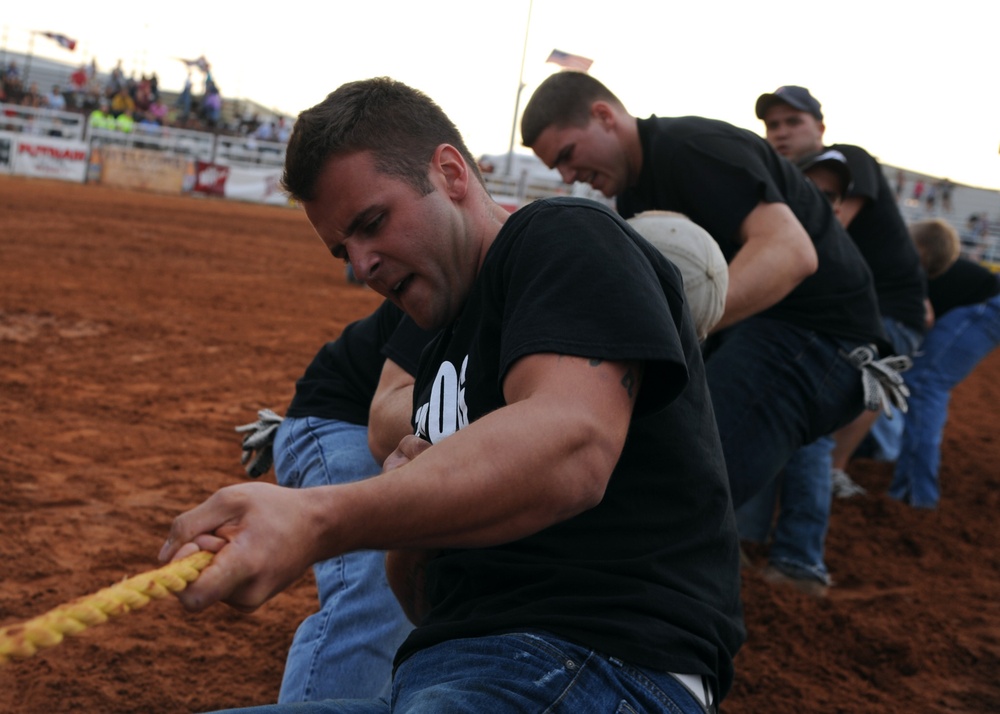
x: 912, y: 81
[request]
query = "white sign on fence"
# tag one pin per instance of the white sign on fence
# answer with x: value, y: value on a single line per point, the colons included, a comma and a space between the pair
x: 43, y: 156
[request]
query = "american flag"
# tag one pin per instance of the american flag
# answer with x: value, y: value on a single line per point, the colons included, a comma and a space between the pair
x: 569, y: 61
x: 201, y: 63
x: 67, y: 42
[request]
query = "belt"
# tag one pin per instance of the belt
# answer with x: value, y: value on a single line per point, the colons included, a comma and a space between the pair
x: 697, y: 685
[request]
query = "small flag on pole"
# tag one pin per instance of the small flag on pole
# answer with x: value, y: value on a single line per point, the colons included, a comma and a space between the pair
x: 568, y: 61
x: 67, y: 42
x: 201, y: 63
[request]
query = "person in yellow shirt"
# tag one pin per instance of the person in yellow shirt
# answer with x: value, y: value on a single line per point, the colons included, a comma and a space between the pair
x: 102, y: 118
x: 122, y: 103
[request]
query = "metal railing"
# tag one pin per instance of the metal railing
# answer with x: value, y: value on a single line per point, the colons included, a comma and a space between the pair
x: 200, y: 145
x: 44, y: 122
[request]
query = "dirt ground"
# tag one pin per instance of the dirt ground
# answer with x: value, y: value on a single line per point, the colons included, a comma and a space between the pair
x: 137, y: 330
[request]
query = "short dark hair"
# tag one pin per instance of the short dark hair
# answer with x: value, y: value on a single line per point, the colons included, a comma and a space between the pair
x: 563, y: 99
x: 400, y: 125
x: 937, y: 244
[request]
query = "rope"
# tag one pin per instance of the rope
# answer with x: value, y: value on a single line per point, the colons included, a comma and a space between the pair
x: 72, y: 618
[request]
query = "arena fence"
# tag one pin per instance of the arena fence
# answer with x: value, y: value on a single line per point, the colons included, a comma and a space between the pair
x: 62, y: 145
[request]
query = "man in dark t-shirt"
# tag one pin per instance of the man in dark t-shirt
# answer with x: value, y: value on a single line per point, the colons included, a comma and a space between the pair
x: 552, y: 303
x: 966, y: 305
x: 794, y: 126
x: 800, y: 295
x: 560, y: 526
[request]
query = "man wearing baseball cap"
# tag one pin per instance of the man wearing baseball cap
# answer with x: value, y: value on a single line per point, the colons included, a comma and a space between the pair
x: 792, y: 95
x: 794, y: 126
x: 829, y: 171
x: 793, y: 121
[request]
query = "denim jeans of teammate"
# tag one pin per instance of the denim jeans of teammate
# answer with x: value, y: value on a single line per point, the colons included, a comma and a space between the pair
x: 776, y: 387
x: 887, y: 431
x: 512, y: 674
x: 886, y: 435
x: 803, y: 513
x: 346, y: 648
x: 958, y: 342
x: 805, y: 496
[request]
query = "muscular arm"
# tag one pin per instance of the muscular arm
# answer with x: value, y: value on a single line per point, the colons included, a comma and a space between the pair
x: 777, y: 254
x: 390, y: 416
x: 543, y: 458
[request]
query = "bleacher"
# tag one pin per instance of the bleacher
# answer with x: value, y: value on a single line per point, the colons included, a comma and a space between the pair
x: 42, y: 71
x: 966, y: 202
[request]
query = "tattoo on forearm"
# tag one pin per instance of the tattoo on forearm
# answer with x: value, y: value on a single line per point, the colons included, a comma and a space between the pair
x: 593, y: 361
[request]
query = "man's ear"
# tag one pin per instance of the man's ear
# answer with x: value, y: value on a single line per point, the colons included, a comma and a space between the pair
x: 604, y: 113
x: 452, y: 170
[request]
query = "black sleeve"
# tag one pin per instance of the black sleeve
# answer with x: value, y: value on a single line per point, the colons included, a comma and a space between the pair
x: 340, y: 381
x: 722, y: 185
x: 584, y: 283
x: 864, y: 171
x: 964, y: 283
x: 406, y: 344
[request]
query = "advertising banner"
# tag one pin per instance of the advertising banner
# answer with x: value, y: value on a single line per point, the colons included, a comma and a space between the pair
x: 210, y: 179
x: 143, y: 169
x: 46, y: 157
x: 261, y: 185
x: 256, y: 184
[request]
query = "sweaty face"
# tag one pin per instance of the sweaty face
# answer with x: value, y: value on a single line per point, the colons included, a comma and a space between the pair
x: 792, y: 133
x: 410, y: 248
x: 589, y: 154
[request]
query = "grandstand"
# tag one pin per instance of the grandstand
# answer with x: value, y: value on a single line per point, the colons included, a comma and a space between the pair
x: 47, y: 72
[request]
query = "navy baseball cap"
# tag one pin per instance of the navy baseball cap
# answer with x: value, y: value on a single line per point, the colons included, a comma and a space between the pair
x: 831, y: 159
x: 795, y: 97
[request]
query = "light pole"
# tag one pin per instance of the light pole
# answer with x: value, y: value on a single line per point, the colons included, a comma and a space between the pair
x: 517, y: 100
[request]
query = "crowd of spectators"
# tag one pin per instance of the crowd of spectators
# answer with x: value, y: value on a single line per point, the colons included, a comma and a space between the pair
x: 120, y: 101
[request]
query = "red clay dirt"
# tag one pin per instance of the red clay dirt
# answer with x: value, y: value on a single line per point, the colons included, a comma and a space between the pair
x: 137, y: 330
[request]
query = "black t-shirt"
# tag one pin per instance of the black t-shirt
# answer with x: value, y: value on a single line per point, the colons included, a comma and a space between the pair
x: 716, y: 174
x: 964, y: 283
x: 406, y: 344
x: 651, y: 574
x: 341, y: 380
x: 881, y: 235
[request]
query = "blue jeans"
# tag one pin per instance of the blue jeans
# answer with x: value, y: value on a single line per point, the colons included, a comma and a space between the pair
x: 514, y: 673
x: 346, y: 648
x: 887, y: 432
x: 958, y: 342
x: 803, y: 515
x: 776, y: 387
x: 887, y: 435
x: 805, y: 496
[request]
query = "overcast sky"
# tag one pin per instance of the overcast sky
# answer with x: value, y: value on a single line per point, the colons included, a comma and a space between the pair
x: 910, y: 81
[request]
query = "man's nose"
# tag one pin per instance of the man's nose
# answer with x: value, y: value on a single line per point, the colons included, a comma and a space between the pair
x: 366, y: 265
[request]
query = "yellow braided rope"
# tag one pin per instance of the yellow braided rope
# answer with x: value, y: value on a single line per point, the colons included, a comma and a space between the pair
x: 19, y: 641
